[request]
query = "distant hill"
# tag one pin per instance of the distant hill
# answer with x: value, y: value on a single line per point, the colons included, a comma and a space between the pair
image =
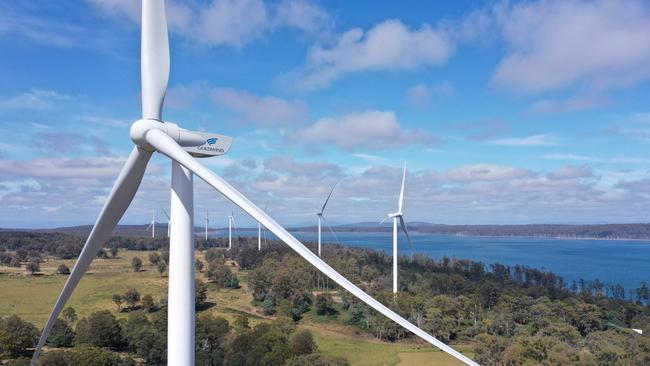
x: 599, y: 231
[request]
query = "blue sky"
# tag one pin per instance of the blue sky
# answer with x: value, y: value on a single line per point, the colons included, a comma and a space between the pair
x: 505, y: 112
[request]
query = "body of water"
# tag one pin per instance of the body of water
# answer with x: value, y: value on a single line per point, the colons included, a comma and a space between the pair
x: 625, y: 262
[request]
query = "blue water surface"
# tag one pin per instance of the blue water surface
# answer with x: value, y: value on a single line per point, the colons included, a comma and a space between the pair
x: 625, y: 262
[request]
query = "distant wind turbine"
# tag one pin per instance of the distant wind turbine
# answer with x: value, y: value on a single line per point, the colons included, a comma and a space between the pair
x: 322, y: 218
x: 152, y: 225
x: 207, y: 222
x: 168, y: 221
x: 399, y: 215
x: 231, y: 225
x: 259, y: 232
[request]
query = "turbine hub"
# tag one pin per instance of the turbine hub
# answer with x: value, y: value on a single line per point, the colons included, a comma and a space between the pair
x: 182, y: 136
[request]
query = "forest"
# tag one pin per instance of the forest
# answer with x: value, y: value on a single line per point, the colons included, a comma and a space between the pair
x: 509, y: 315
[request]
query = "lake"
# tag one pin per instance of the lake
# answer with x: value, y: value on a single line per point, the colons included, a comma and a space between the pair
x: 625, y: 262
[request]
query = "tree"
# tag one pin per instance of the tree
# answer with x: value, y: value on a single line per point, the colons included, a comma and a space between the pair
x: 161, y: 267
x: 63, y: 269
x: 325, y: 305
x: 201, y: 294
x: 136, y: 264
x: 198, y: 265
x: 61, y: 334
x: 118, y: 300
x: 131, y: 296
x: 114, y: 251
x: 18, y: 336
x: 69, y: 314
x: 102, y: 254
x: 15, y: 262
x: 144, y: 339
x: 100, y: 329
x: 154, y: 258
x: 54, y: 358
x: 211, y: 333
x: 220, y: 274
x: 91, y: 356
x: 165, y: 256
x: 148, y: 303
x: 33, y: 267
x: 302, y: 343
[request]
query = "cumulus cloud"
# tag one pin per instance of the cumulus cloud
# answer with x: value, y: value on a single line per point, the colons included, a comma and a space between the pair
x: 37, y: 99
x: 389, y: 45
x: 374, y: 130
x: 234, y: 23
x: 262, y: 111
x: 557, y: 44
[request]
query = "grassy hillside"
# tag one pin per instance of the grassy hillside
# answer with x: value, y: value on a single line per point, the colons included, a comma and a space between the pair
x: 32, y: 298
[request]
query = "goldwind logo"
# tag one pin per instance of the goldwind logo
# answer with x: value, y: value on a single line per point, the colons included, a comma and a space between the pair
x: 212, y: 141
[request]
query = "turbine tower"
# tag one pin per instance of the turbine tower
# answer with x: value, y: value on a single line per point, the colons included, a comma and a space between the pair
x: 399, y: 215
x: 207, y: 222
x: 231, y: 224
x: 167, y: 216
x: 152, y: 224
x: 152, y: 133
x: 322, y: 218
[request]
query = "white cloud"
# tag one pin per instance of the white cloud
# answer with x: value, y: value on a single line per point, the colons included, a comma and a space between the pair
x: 262, y: 111
x: 571, y: 172
x: 485, y: 172
x: 420, y: 95
x: 374, y: 130
x: 389, y: 45
x: 533, y: 140
x: 574, y: 103
x: 234, y: 23
x: 613, y: 160
x: 557, y: 44
x: 34, y: 99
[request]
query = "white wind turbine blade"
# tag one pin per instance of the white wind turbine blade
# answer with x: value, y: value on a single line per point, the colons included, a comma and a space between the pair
x: 154, y: 58
x: 118, y: 201
x: 328, y: 198
x: 384, y: 220
x: 401, y: 220
x: 167, y: 146
x: 148, y: 227
x: 401, y: 192
x: 331, y: 230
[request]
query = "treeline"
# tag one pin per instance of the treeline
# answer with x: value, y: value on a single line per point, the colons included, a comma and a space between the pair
x: 102, y: 340
x: 519, y: 314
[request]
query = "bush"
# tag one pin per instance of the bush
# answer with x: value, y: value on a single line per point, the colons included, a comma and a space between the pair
x: 201, y: 294
x: 325, y: 305
x: 33, y: 267
x: 148, y: 303
x: 136, y: 264
x: 131, y: 296
x: 302, y: 343
x: 63, y: 269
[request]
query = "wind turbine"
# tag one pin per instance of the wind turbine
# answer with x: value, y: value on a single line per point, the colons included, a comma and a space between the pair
x: 231, y: 224
x: 151, y: 134
x: 207, y: 222
x: 259, y: 232
x: 167, y: 216
x: 152, y: 224
x: 398, y: 216
x: 322, y: 218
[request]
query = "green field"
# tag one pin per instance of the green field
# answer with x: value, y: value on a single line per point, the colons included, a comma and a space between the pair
x: 32, y: 298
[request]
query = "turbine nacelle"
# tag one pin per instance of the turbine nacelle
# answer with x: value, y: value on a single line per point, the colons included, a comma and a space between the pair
x: 198, y: 144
